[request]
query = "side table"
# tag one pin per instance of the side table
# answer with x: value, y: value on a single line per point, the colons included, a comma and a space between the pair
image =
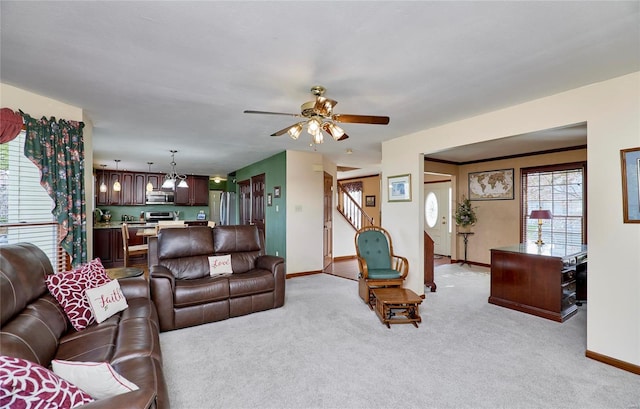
x: 465, y: 236
x: 124, y: 272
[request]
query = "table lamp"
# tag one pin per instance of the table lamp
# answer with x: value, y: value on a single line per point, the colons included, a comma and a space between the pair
x: 540, y: 215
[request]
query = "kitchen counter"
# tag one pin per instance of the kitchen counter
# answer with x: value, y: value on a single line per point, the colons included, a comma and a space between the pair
x: 117, y: 225
x: 141, y: 225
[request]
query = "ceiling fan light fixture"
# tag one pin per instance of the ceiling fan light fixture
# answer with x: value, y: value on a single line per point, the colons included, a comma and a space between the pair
x: 313, y: 126
x: 295, y: 130
x: 317, y: 137
x: 334, y: 130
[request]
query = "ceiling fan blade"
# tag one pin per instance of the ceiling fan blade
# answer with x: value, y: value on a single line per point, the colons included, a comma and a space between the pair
x: 324, y: 106
x: 294, y: 130
x: 248, y: 111
x: 361, y: 119
x: 343, y: 137
x: 282, y: 131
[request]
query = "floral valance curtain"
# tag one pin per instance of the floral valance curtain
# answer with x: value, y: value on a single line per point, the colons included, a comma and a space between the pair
x: 352, y: 187
x: 10, y: 125
x: 57, y: 149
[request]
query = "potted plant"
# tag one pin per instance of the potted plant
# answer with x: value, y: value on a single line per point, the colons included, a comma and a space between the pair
x: 465, y: 214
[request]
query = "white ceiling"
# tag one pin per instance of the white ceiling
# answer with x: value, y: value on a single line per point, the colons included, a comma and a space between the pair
x: 155, y: 76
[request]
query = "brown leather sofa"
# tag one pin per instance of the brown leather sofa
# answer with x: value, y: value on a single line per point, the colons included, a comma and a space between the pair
x: 35, y: 328
x: 186, y: 295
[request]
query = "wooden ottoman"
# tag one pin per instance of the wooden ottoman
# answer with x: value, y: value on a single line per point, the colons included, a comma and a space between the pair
x: 397, y: 306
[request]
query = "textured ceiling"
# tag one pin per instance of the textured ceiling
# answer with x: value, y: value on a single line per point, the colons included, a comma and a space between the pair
x: 155, y: 76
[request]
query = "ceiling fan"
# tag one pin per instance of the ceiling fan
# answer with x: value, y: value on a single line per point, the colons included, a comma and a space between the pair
x: 319, y: 117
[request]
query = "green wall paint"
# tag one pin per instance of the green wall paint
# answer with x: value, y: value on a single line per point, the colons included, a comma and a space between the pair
x: 275, y: 174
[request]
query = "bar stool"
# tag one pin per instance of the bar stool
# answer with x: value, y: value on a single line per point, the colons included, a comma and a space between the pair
x: 134, y: 250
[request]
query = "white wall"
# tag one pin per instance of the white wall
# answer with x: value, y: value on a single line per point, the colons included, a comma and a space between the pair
x: 305, y: 186
x: 612, y: 111
x: 38, y: 106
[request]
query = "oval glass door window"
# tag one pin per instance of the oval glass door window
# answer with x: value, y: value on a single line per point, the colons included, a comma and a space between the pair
x: 431, y: 209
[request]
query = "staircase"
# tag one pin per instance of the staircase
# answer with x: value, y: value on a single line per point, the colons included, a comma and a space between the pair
x: 351, y: 210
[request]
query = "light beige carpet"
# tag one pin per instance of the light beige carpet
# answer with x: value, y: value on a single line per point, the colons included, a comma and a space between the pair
x: 326, y: 349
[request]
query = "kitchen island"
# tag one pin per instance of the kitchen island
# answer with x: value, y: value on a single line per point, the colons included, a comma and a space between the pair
x: 107, y: 242
x: 538, y: 280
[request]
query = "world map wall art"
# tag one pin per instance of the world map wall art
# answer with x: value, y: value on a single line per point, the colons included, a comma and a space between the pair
x: 491, y: 185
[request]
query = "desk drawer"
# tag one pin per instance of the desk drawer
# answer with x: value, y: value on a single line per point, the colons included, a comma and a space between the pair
x: 568, y: 274
x: 568, y: 301
x: 568, y: 288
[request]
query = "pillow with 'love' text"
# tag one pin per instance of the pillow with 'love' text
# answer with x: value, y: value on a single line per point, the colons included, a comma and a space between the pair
x: 219, y: 265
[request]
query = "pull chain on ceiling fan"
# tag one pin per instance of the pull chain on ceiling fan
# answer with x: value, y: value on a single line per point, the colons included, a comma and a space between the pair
x: 319, y: 117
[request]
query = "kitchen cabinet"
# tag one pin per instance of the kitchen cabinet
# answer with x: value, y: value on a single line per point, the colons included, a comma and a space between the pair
x: 197, y: 194
x: 127, y: 192
x: 107, y: 244
x: 103, y: 246
x: 139, y: 189
x: 155, y: 179
x: 133, y: 189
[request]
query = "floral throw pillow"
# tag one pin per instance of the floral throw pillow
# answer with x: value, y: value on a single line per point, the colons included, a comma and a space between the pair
x: 24, y: 384
x: 69, y: 287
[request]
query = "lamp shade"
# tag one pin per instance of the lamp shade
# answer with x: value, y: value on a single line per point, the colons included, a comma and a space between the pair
x: 540, y: 214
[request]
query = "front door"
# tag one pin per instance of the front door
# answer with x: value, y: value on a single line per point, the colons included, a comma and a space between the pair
x: 437, y: 219
x: 327, y: 231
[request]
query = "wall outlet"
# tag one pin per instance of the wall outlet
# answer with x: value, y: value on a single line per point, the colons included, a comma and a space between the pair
x: 276, y: 253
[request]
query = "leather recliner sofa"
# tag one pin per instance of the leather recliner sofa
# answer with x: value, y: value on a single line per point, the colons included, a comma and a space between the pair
x: 36, y: 328
x: 186, y: 294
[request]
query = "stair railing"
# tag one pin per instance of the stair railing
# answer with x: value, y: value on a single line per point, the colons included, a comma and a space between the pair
x: 351, y: 210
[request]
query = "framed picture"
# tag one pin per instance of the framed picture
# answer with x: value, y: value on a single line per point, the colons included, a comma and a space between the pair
x: 276, y: 191
x: 370, y: 201
x: 491, y: 185
x: 399, y: 188
x: 630, y: 160
x: 269, y: 199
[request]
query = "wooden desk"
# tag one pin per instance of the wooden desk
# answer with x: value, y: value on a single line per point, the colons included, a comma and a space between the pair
x: 537, y: 280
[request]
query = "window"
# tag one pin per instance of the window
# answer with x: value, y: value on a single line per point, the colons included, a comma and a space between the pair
x: 562, y: 190
x: 25, y: 207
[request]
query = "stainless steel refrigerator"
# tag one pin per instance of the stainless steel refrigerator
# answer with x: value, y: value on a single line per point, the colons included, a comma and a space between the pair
x: 228, y: 208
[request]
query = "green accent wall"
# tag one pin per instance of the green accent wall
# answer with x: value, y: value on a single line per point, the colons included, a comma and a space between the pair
x: 275, y: 174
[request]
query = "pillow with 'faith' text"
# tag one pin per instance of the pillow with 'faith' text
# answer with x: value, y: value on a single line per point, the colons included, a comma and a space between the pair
x: 106, y: 300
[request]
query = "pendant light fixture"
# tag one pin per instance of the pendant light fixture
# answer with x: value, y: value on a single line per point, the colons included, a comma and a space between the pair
x: 173, y: 179
x: 116, y: 184
x: 149, y: 185
x: 103, y: 186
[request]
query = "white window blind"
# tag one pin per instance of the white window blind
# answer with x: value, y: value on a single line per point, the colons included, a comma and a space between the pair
x: 25, y: 207
x: 560, y: 189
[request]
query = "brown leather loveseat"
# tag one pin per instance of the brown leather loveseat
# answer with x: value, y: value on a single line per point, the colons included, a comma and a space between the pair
x: 35, y: 328
x: 186, y: 294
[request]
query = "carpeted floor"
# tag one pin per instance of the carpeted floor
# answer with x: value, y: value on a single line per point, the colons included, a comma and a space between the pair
x: 326, y: 349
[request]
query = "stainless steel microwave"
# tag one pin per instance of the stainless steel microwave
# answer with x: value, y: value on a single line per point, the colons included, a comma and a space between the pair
x: 160, y: 197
